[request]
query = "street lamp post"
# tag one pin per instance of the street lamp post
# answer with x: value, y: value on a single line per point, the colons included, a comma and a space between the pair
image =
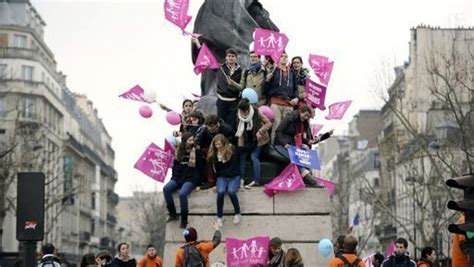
x: 411, y: 180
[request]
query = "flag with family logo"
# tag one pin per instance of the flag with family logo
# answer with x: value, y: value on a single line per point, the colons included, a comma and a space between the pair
x: 247, y: 253
x: 205, y: 60
x: 338, y: 109
x: 315, y: 94
x: 176, y: 12
x: 270, y: 43
x: 322, y: 67
x: 135, y: 93
x: 154, y: 162
x: 289, y: 180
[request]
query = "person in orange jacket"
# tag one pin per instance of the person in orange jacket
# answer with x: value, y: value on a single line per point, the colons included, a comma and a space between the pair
x: 459, y: 258
x: 348, y: 256
x: 428, y: 257
x: 150, y: 259
x: 204, y: 248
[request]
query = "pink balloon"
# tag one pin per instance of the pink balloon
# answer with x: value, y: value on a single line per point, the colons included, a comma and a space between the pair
x: 173, y: 118
x: 267, y: 112
x: 145, y: 111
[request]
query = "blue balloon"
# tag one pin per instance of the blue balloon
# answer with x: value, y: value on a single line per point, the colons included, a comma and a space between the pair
x: 251, y: 95
x: 325, y: 247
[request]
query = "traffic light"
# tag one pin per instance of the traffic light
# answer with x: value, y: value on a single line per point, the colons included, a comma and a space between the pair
x: 466, y: 205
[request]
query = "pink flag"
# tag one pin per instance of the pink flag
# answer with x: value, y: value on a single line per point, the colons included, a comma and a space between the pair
x: 176, y: 11
x: 315, y: 94
x: 390, y: 249
x: 205, y: 60
x: 270, y: 43
x: 315, y: 128
x: 289, y: 180
x: 338, y: 109
x: 247, y: 253
x: 135, y: 93
x: 330, y: 186
x: 369, y: 260
x: 154, y: 162
x: 322, y: 67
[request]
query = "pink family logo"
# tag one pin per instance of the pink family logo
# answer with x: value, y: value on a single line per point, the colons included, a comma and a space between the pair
x: 154, y: 162
x: 176, y: 11
x: 289, y: 180
x: 270, y: 43
x: 30, y: 225
x: 246, y: 253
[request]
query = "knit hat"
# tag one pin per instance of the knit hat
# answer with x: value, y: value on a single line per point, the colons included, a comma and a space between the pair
x: 190, y: 234
x: 150, y: 246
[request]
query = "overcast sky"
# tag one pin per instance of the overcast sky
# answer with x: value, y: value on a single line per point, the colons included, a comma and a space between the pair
x: 106, y: 47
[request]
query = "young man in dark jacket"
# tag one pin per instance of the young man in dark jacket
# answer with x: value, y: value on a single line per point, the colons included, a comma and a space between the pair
x: 203, y: 138
x: 294, y: 130
x: 399, y: 258
x: 228, y: 88
x: 49, y: 258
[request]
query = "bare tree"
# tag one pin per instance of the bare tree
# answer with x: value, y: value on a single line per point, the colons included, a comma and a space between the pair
x: 152, y: 216
x: 431, y: 139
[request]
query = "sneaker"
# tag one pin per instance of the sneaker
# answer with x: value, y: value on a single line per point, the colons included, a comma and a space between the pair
x: 172, y: 217
x: 220, y: 223
x: 242, y: 182
x: 237, y: 218
x: 253, y: 183
x: 205, y: 186
x: 183, y: 225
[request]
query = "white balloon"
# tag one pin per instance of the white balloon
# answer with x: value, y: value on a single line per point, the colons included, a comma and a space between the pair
x: 149, y: 95
x: 253, y: 35
x: 251, y: 46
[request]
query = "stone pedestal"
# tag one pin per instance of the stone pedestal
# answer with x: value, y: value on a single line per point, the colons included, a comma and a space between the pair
x: 300, y: 219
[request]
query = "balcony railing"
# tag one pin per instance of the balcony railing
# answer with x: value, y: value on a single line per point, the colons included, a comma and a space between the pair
x: 29, y: 54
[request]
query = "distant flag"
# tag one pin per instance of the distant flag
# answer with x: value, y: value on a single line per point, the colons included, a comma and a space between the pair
x: 355, y: 222
x: 390, y: 249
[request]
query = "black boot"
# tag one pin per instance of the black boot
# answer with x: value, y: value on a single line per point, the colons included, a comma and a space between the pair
x: 172, y: 211
x: 184, y: 219
x: 310, y: 181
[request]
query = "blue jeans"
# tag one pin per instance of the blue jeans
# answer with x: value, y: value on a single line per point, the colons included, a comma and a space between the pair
x: 230, y: 186
x: 254, y: 156
x: 185, y: 190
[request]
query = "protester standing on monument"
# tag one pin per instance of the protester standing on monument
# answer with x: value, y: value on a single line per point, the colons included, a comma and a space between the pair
x: 187, y: 109
x: 123, y: 258
x: 281, y: 88
x: 254, y: 77
x: 301, y: 75
x: 228, y: 88
x: 185, y: 177
x: 252, y: 134
x: 225, y: 161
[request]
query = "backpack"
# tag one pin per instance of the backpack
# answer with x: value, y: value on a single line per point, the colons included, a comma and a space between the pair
x: 48, y: 263
x: 193, y: 257
x: 347, y: 263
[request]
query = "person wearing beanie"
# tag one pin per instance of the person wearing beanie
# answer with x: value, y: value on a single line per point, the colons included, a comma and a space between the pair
x: 204, y: 247
x: 150, y: 259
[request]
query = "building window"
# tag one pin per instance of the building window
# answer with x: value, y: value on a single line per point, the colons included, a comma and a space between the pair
x: 27, y: 73
x: 3, y: 71
x: 3, y: 106
x: 93, y: 201
x: 19, y: 41
x: 28, y: 107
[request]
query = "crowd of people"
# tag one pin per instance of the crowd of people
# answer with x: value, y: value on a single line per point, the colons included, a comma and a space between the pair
x: 196, y: 253
x: 213, y: 150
